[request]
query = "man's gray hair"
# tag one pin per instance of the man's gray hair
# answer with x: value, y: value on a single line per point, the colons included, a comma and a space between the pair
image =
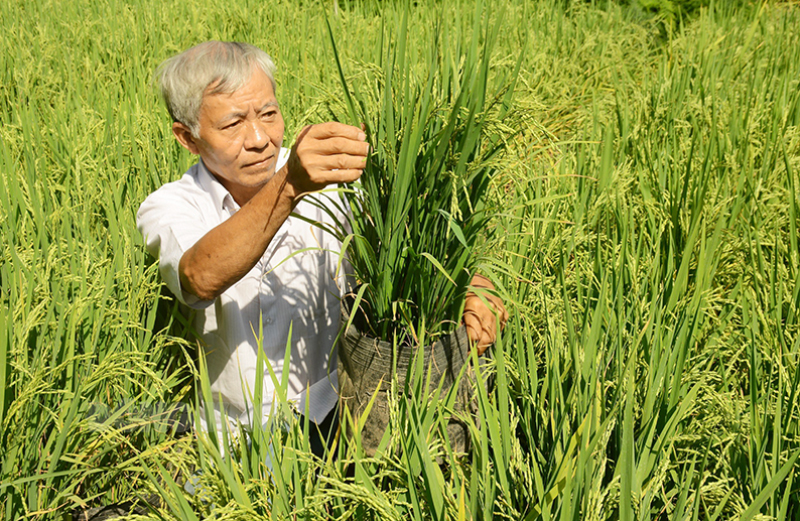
x: 210, y: 67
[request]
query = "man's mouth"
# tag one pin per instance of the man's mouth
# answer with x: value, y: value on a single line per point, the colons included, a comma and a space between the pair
x: 260, y: 163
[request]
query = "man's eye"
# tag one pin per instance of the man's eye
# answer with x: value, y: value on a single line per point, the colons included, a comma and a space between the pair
x: 231, y: 125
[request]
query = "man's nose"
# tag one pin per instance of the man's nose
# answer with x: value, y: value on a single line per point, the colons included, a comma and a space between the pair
x: 256, y: 135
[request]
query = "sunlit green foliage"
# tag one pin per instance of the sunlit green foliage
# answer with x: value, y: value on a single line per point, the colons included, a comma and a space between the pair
x: 436, y: 129
x: 647, y: 248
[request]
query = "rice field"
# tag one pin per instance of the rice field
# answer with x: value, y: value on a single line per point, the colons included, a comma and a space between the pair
x: 644, y: 236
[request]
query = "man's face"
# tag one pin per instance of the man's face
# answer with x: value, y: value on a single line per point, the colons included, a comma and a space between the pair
x: 240, y: 136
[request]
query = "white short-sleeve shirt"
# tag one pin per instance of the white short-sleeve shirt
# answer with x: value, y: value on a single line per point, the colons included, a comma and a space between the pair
x: 294, y: 285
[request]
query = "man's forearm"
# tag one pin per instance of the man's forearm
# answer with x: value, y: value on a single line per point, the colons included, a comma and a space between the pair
x: 227, y: 252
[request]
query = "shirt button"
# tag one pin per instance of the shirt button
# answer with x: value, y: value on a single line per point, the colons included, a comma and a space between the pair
x: 268, y: 320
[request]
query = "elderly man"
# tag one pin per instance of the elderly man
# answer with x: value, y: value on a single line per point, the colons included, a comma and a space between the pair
x: 228, y: 245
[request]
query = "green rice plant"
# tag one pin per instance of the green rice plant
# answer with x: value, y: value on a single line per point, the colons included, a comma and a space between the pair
x: 420, y: 207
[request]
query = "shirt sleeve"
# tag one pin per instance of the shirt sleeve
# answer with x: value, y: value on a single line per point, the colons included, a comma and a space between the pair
x: 170, y: 225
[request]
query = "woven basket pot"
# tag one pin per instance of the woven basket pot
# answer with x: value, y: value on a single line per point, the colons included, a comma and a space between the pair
x: 364, y: 362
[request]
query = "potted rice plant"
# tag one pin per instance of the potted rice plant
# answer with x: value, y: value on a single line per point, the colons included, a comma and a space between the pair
x: 414, y: 221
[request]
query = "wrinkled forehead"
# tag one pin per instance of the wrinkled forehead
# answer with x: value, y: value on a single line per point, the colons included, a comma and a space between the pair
x: 254, y: 94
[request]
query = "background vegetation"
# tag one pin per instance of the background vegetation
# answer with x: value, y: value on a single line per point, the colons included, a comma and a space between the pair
x: 647, y: 248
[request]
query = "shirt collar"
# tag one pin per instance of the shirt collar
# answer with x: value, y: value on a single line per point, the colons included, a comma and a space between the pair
x: 219, y: 194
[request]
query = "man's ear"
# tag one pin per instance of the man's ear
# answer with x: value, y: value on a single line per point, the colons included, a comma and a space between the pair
x: 184, y: 136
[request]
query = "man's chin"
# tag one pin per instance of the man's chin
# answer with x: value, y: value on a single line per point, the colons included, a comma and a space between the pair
x: 257, y: 177
x: 246, y: 183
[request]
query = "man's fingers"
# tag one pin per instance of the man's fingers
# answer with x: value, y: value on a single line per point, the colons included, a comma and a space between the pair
x: 481, y: 317
x: 480, y: 329
x: 345, y: 176
x: 485, y: 313
x: 473, y: 326
x: 334, y: 129
x: 321, y: 168
x: 322, y: 177
x: 483, y: 344
x: 325, y: 154
x: 340, y: 162
x: 340, y: 145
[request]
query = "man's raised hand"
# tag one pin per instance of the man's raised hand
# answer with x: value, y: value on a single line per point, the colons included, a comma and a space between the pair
x: 325, y: 154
